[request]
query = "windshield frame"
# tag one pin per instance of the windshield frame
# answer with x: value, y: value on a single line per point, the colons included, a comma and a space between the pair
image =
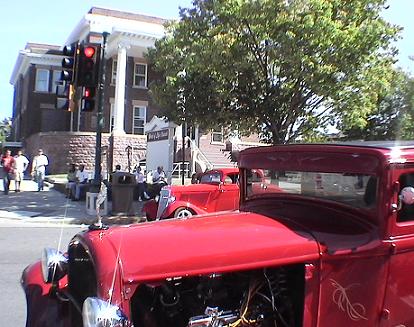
x: 327, y: 160
x: 357, y: 191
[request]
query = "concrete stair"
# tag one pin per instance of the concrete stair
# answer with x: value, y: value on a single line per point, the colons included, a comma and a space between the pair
x: 216, y: 154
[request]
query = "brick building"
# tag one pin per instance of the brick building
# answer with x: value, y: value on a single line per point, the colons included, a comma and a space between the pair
x: 70, y: 136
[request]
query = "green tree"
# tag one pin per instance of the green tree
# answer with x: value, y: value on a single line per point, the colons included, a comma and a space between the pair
x: 393, y: 117
x: 5, y: 129
x: 281, y: 68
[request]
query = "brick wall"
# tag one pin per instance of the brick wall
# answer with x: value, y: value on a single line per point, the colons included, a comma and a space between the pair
x: 118, y: 150
x: 63, y: 148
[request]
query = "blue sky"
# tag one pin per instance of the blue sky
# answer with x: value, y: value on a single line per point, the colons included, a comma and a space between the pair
x: 45, y: 21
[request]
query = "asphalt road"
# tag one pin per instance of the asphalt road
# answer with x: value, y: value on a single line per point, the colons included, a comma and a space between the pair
x: 20, y: 245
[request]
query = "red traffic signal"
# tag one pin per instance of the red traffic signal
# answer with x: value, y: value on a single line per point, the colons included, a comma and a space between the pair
x: 89, y: 52
x: 88, y: 65
x: 88, y: 99
x: 88, y: 92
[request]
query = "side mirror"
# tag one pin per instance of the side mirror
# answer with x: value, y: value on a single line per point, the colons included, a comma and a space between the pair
x: 406, y: 196
x: 220, y: 187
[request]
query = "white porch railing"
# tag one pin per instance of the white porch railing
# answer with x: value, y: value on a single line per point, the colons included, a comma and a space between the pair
x: 178, y: 169
x: 198, y: 157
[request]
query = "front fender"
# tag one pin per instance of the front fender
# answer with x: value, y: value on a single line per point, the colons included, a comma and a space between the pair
x: 169, y: 211
x: 44, y: 308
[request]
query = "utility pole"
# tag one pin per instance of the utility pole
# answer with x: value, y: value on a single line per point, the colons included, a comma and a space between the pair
x: 183, y: 130
x: 99, y: 126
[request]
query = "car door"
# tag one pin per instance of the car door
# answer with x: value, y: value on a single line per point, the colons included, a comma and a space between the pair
x: 227, y: 193
x: 398, y: 309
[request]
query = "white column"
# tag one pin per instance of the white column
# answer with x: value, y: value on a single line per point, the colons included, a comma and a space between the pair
x: 119, y: 107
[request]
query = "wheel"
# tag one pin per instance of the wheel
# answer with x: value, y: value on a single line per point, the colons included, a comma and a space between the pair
x: 183, y: 213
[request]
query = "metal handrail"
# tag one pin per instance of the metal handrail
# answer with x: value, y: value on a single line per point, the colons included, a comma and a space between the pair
x: 198, y: 157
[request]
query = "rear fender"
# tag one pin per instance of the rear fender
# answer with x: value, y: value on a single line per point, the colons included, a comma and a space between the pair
x: 44, y: 308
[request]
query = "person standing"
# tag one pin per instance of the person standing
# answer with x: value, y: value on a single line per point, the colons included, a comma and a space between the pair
x: 39, y: 169
x: 21, y: 164
x: 8, y: 163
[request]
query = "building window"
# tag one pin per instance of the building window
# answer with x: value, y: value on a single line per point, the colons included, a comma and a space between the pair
x: 114, y: 68
x: 55, y: 80
x: 42, y: 80
x: 112, y: 121
x: 140, y: 75
x: 217, y: 135
x: 140, y: 114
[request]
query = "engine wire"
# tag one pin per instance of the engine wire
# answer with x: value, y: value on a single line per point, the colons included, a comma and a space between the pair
x: 254, y: 288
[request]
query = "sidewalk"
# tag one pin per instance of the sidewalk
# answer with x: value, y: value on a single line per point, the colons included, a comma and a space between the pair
x: 51, y: 206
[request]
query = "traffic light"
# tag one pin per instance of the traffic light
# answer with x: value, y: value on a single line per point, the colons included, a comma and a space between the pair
x: 87, y: 66
x: 88, y: 98
x: 69, y: 63
x: 64, y: 96
x: 64, y: 90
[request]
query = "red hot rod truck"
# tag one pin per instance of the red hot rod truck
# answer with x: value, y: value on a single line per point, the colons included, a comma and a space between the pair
x: 217, y: 190
x: 325, y: 238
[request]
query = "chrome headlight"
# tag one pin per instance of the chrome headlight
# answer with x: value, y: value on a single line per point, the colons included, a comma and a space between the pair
x: 98, y: 313
x: 54, y: 265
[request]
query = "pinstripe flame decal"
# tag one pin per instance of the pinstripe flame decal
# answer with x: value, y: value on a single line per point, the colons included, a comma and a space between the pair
x: 355, y: 311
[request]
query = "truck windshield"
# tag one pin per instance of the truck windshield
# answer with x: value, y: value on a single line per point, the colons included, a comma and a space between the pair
x: 212, y: 177
x: 356, y: 190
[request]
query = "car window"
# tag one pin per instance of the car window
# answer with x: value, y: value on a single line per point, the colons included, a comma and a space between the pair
x: 407, y: 210
x: 228, y: 180
x: 234, y: 178
x: 356, y: 190
x: 210, y: 178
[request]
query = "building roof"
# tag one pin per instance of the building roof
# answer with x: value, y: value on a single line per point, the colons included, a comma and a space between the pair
x: 126, y: 15
x: 42, y: 48
x: 35, y: 53
x: 99, y: 20
x: 122, y: 25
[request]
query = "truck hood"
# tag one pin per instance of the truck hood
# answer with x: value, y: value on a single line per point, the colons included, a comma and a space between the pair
x: 202, y: 245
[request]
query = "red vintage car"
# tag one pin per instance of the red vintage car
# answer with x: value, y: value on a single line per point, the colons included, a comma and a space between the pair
x: 216, y: 190
x: 335, y: 248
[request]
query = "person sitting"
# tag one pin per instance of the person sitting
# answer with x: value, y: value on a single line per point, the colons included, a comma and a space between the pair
x: 81, y: 182
x: 141, y: 184
x: 159, y: 175
x: 158, y: 182
x: 195, y: 178
x: 71, y: 177
x: 117, y: 170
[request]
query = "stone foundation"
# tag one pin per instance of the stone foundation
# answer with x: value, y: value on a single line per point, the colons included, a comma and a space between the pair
x: 118, y: 153
x: 63, y: 148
